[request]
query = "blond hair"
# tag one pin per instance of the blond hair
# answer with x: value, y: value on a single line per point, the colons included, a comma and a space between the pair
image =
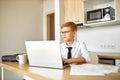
x: 72, y: 25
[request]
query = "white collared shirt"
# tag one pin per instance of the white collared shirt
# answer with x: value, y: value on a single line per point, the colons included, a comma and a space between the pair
x: 78, y: 49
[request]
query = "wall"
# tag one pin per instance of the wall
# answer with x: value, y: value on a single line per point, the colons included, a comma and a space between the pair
x: 57, y: 7
x: 48, y: 7
x: 20, y: 20
x: 59, y: 18
x: 101, y: 39
x: 98, y: 39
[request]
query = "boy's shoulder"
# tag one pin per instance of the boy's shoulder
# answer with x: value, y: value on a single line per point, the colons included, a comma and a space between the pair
x: 79, y: 42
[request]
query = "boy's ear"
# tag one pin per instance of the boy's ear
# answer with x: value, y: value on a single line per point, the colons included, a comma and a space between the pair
x: 75, y: 32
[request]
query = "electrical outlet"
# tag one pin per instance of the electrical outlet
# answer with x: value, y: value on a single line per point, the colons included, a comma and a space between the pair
x: 108, y: 46
x: 117, y: 62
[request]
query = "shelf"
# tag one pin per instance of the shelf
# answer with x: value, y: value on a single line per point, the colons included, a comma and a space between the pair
x: 105, y: 23
x: 96, y: 4
x: 108, y: 57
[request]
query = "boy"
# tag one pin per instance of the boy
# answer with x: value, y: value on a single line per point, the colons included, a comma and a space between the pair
x: 72, y: 51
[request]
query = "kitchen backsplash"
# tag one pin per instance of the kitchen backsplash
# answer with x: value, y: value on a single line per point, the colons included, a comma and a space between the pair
x: 100, y: 39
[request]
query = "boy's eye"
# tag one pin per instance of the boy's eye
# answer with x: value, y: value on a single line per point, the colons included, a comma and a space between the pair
x: 65, y: 32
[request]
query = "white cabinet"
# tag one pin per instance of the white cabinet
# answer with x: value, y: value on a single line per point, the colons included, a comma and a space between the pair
x: 97, y: 4
x: 0, y: 73
x: 9, y: 75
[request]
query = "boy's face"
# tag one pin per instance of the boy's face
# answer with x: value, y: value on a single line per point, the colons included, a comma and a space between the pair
x: 68, y: 34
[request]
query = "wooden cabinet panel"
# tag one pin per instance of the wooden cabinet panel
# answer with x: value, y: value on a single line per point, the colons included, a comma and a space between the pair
x: 117, y: 9
x: 73, y: 10
x: 68, y: 10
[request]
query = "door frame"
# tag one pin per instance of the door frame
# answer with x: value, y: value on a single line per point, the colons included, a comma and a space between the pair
x: 48, y: 25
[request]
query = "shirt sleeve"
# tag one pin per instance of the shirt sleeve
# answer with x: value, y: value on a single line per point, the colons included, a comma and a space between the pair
x: 85, y: 53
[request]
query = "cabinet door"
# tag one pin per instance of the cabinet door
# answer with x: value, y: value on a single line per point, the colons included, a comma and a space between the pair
x: 117, y: 9
x: 9, y: 75
x: 73, y: 11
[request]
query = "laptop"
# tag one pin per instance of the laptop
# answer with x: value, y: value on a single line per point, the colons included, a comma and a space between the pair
x: 44, y: 54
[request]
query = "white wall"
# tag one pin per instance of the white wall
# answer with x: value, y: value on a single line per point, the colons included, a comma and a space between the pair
x: 57, y: 7
x: 48, y: 7
x: 101, y: 39
x: 20, y: 20
x: 59, y: 18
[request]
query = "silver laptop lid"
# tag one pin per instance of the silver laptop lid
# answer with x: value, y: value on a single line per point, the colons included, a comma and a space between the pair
x: 44, y: 53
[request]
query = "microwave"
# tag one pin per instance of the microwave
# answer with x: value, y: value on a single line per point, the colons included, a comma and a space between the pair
x: 101, y: 14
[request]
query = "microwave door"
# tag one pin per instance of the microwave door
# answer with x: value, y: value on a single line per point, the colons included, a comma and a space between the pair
x: 94, y: 16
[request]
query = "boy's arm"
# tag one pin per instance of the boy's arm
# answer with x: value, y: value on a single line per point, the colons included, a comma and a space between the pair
x: 75, y: 60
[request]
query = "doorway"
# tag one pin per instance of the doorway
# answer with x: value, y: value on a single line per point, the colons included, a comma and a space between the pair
x: 50, y: 26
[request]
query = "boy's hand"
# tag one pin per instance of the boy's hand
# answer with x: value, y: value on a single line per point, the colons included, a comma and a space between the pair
x: 69, y: 61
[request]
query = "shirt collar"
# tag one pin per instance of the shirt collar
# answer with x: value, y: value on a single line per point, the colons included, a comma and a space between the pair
x: 73, y: 45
